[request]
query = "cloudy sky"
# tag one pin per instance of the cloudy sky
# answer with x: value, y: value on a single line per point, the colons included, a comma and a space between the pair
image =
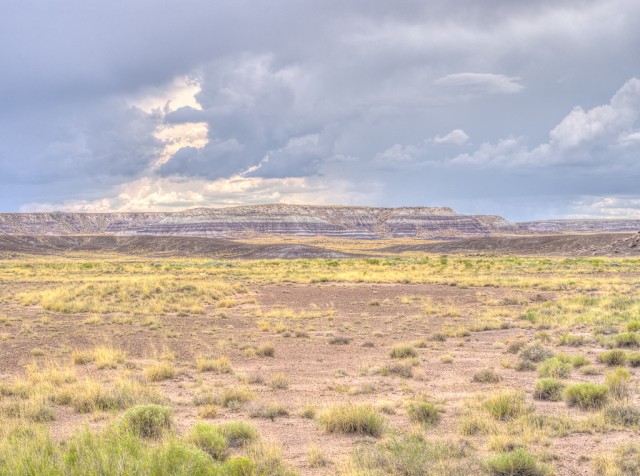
x: 513, y: 107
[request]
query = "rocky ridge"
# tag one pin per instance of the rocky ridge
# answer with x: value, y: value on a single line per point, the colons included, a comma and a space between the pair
x: 298, y: 220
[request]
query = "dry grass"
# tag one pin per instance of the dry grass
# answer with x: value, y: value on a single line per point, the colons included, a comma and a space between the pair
x: 159, y: 372
x: 361, y: 419
x: 193, y: 309
x: 220, y: 365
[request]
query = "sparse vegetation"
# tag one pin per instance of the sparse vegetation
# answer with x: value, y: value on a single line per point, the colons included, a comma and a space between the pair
x: 548, y: 389
x: 424, y: 412
x: 622, y: 414
x: 220, y: 365
x: 586, y: 395
x: 403, y: 351
x: 487, y: 376
x: 148, y: 421
x: 516, y: 462
x: 104, y: 362
x: 159, y: 372
x: 266, y: 350
x: 209, y: 439
x: 613, y: 357
x: 235, y: 397
x: 505, y: 405
x: 238, y: 433
x: 409, y: 455
x: 362, y: 419
x: 278, y: 382
x: 554, y: 368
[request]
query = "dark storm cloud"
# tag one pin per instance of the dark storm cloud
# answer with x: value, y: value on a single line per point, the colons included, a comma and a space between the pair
x: 437, y: 101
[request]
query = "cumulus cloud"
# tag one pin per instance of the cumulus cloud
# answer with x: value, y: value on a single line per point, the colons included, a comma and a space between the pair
x: 455, y: 137
x: 603, y: 136
x: 614, y: 207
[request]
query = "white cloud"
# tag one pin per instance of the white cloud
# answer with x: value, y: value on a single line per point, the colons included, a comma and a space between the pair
x: 602, y: 122
x: 476, y: 84
x: 605, y: 207
x: 397, y: 154
x: 455, y: 137
x: 180, y: 92
x: 605, y: 135
x: 172, y: 194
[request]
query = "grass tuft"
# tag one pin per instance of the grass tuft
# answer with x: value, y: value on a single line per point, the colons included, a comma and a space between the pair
x: 360, y: 419
x: 586, y: 395
x: 403, y: 351
x: 505, y: 405
x: 149, y: 421
x: 518, y: 462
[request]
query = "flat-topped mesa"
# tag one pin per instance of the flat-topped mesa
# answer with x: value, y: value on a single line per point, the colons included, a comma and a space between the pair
x: 278, y: 219
x: 603, y: 225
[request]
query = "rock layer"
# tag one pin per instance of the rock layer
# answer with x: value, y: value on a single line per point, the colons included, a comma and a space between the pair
x: 300, y: 220
x: 345, y: 222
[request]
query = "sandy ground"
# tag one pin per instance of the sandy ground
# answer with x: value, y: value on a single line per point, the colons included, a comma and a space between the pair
x: 320, y: 373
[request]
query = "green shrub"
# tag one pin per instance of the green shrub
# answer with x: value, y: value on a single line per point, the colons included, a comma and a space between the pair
x: 238, y: 433
x: 532, y: 354
x: 208, y: 438
x: 518, y: 462
x: 403, y: 351
x: 175, y: 457
x: 574, y: 360
x: 505, y: 405
x: 29, y: 450
x: 622, y: 414
x: 613, y: 357
x: 626, y: 339
x: 634, y: 359
x: 361, y: 419
x: 633, y: 326
x: 535, y: 352
x: 117, y: 450
x: 554, y: 368
x: 238, y: 466
x: 579, y: 361
x: 423, y: 412
x: 410, y: 455
x: 571, y: 340
x: 586, y: 395
x: 487, y: 376
x: 149, y: 421
x: 548, y: 389
x: 618, y: 383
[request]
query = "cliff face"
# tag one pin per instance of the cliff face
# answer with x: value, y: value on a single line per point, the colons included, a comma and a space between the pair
x: 346, y: 222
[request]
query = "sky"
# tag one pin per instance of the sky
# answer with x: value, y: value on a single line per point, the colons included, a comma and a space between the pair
x: 529, y: 110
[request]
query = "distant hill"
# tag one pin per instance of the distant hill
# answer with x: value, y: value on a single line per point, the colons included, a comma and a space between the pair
x: 297, y: 220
